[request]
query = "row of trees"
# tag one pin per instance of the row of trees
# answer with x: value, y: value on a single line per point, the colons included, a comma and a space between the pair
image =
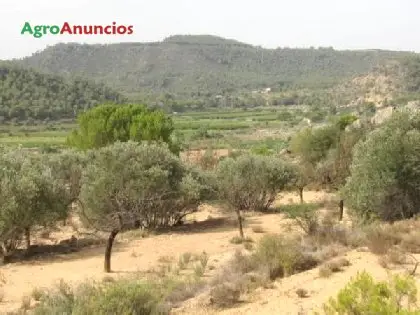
x: 123, y: 186
x: 129, y: 185
x: 375, y: 170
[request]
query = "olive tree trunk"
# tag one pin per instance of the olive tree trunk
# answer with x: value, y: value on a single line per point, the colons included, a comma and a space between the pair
x: 301, y: 194
x: 108, y: 249
x: 7, y: 254
x: 28, y: 238
x: 241, y: 230
x: 341, y: 205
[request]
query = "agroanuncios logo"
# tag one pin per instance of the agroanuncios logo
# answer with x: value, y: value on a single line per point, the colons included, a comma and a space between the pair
x: 66, y: 28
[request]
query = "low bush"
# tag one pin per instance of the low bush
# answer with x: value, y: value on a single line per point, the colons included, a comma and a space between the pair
x: 305, y: 215
x: 37, y: 294
x: 240, y: 240
x: 332, y: 266
x: 225, y: 294
x: 258, y: 229
x: 184, y: 260
x: 380, y: 240
x: 122, y: 297
x: 365, y: 296
x: 282, y: 257
x: 126, y: 297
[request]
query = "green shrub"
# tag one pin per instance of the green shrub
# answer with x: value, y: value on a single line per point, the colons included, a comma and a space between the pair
x: 365, y: 296
x: 121, y: 297
x: 281, y: 257
x: 37, y: 294
x: 385, y: 172
x: 184, y: 260
x: 305, y: 215
x: 261, y: 150
x: 252, y: 182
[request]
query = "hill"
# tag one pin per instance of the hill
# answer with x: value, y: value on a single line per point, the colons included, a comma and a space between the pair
x: 198, y: 65
x: 27, y: 94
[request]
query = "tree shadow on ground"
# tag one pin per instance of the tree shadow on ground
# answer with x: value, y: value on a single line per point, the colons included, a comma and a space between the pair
x: 67, y: 250
x: 224, y: 224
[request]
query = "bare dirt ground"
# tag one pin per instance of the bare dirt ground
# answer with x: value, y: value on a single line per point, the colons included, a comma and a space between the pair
x: 211, y: 234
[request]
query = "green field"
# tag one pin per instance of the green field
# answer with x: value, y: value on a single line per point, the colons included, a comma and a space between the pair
x: 211, y: 129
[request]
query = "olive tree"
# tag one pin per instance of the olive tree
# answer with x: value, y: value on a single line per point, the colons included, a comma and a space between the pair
x: 252, y: 182
x: 65, y: 170
x: 129, y: 185
x: 326, y: 152
x: 325, y: 155
x: 385, y: 173
x: 31, y: 194
x: 304, y: 175
x: 18, y: 190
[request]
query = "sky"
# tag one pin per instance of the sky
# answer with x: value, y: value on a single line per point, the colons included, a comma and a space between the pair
x: 351, y: 24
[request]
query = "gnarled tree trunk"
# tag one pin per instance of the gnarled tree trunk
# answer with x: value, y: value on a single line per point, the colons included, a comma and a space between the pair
x: 7, y: 254
x: 341, y: 205
x: 301, y: 194
x: 241, y: 230
x: 28, y: 238
x: 108, y: 249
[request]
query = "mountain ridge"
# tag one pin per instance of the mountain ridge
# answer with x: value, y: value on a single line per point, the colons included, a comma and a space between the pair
x: 191, y: 64
x: 27, y: 94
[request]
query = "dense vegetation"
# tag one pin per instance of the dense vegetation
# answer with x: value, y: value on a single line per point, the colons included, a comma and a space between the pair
x: 385, y: 172
x: 155, y: 189
x: 28, y: 95
x: 128, y: 175
x: 104, y: 125
x: 363, y: 295
x: 197, y: 66
x: 190, y: 72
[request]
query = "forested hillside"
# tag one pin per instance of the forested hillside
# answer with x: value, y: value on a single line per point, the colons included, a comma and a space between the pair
x: 198, y: 65
x: 30, y: 95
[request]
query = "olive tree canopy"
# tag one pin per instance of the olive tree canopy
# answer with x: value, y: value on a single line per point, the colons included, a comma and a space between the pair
x: 385, y: 173
x: 130, y: 185
x: 252, y: 182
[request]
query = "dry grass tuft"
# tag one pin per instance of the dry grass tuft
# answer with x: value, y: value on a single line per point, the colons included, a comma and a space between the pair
x: 166, y: 259
x: 225, y: 295
x: 26, y: 303
x: 239, y: 240
x: 302, y: 293
x: 108, y: 279
x: 249, y: 246
x: 411, y: 242
x: 379, y: 240
x: 37, y: 294
x: 184, y: 260
x: 336, y: 265
x: 258, y: 229
x: 332, y: 266
x: 325, y: 271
